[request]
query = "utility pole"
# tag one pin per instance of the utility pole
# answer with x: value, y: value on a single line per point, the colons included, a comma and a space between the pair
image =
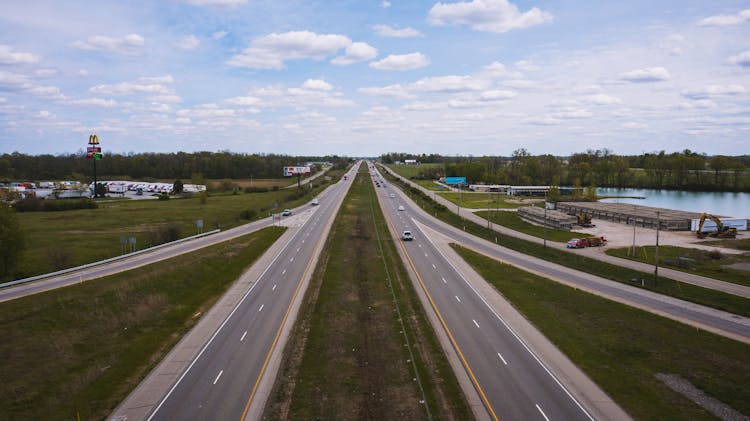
x: 545, y: 219
x: 488, y: 208
x: 634, y: 220
x: 656, y: 254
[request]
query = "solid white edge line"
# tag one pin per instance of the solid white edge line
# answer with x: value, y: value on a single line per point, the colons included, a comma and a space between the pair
x: 541, y: 412
x: 544, y: 366
x: 207, y: 344
x: 218, y: 375
x: 501, y: 357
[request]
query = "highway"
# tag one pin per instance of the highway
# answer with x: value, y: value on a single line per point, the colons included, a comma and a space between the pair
x: 221, y: 382
x: 710, y: 319
x: 510, y: 379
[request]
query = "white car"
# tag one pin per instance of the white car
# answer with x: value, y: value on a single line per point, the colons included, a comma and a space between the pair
x: 400, y: 207
x: 286, y: 212
x: 392, y: 196
x: 407, y: 236
x: 314, y: 202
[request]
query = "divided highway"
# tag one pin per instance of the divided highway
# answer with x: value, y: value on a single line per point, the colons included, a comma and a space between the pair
x: 510, y: 379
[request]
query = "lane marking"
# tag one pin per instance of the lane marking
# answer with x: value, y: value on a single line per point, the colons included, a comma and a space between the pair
x: 283, y: 271
x: 501, y: 357
x: 542, y: 412
x: 243, y: 336
x: 292, y: 259
x: 444, y: 281
x: 222, y: 372
x: 425, y: 255
x: 261, y: 308
x: 433, y: 266
x: 297, y: 249
x: 475, y: 323
x: 458, y: 299
x: 460, y: 353
x: 274, y: 287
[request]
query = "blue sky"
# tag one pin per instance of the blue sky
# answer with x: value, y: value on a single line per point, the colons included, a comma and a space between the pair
x: 367, y: 77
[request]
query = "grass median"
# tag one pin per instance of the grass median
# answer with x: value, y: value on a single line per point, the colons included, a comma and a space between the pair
x: 347, y: 356
x: 79, y: 350
x: 622, y: 348
x: 684, y: 291
x: 63, y: 239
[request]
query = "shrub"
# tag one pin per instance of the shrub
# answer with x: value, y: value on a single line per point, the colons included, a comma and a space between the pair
x: 249, y: 214
x: 32, y: 204
x: 164, y: 233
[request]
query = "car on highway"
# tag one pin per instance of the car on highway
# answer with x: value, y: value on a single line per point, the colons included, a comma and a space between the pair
x: 286, y: 212
x: 392, y: 196
x: 407, y: 236
x: 401, y: 207
x: 315, y: 202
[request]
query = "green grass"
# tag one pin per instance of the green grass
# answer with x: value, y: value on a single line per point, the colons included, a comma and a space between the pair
x: 512, y: 221
x: 696, y: 261
x: 413, y: 171
x: 428, y: 184
x: 621, y: 348
x: 474, y: 200
x: 346, y: 358
x: 704, y: 296
x: 58, y: 240
x: 83, y: 348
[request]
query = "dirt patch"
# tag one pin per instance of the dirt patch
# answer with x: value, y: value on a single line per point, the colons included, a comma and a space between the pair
x: 712, y: 405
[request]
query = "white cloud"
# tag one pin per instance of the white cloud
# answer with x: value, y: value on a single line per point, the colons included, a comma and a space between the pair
x: 633, y: 125
x: 8, y: 56
x: 486, y: 15
x: 271, y: 51
x: 47, y: 72
x: 96, y: 102
x: 129, y: 44
x: 712, y: 91
x: 601, y: 99
x: 571, y: 112
x: 357, y: 51
x: 649, y: 74
x: 701, y: 104
x: 497, y: 95
x: 219, y: 35
x: 424, y: 106
x: 526, y: 65
x: 149, y: 85
x: 224, y: 3
x: 317, y: 85
x: 543, y: 121
x: 448, y: 84
x: 387, y: 31
x: 244, y: 100
x: 45, y: 114
x: 187, y: 43
x: 385, y: 4
x: 173, y: 99
x: 520, y: 84
x: 396, y: 91
x: 497, y: 69
x: 742, y: 59
x: 401, y: 62
x: 726, y: 20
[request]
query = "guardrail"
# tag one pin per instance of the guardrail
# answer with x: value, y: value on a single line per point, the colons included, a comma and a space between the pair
x: 101, y: 262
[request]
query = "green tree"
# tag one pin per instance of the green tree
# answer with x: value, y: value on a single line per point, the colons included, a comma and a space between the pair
x: 11, y: 240
x: 178, y: 187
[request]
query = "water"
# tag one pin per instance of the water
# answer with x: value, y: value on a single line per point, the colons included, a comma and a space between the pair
x: 736, y: 205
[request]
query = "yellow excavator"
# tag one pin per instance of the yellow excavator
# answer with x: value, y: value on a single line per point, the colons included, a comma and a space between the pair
x: 722, y: 231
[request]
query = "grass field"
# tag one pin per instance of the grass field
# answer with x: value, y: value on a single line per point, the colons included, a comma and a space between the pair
x: 512, y: 221
x: 80, y: 350
x: 705, y: 296
x: 622, y: 348
x: 414, y: 171
x: 700, y: 262
x: 428, y: 184
x: 263, y: 182
x: 58, y: 240
x: 739, y: 244
x: 474, y: 200
x: 346, y: 358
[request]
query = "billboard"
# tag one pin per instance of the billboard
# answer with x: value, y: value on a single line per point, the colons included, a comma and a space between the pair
x: 451, y: 181
x: 290, y: 171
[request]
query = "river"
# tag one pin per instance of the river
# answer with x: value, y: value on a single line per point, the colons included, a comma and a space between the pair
x: 736, y: 205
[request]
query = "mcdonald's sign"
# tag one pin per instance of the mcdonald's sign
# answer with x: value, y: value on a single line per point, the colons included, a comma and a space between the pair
x: 93, y: 139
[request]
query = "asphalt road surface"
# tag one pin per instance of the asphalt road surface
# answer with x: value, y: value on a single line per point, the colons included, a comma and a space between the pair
x: 221, y: 382
x: 511, y: 380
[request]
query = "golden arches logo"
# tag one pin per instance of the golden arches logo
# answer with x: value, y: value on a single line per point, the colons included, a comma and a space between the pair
x: 93, y: 139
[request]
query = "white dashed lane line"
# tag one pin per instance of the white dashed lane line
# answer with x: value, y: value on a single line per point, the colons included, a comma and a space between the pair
x: 457, y: 299
x: 283, y: 271
x: 501, y: 358
x: 475, y: 323
x: 222, y: 372
x: 243, y: 336
x: 274, y: 287
x: 261, y: 308
x: 433, y: 266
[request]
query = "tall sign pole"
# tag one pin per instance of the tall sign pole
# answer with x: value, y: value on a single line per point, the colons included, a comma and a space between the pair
x: 94, y: 152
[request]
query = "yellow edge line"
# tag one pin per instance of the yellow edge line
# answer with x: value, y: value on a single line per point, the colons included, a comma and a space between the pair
x: 278, y: 333
x: 445, y: 326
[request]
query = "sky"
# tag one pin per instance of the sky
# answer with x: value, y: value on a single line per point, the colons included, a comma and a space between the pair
x: 362, y: 78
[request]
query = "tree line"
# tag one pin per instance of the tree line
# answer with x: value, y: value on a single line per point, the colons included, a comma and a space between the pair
x: 685, y: 170
x: 143, y: 166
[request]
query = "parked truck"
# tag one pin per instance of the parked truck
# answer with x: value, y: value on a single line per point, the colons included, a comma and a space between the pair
x: 579, y: 243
